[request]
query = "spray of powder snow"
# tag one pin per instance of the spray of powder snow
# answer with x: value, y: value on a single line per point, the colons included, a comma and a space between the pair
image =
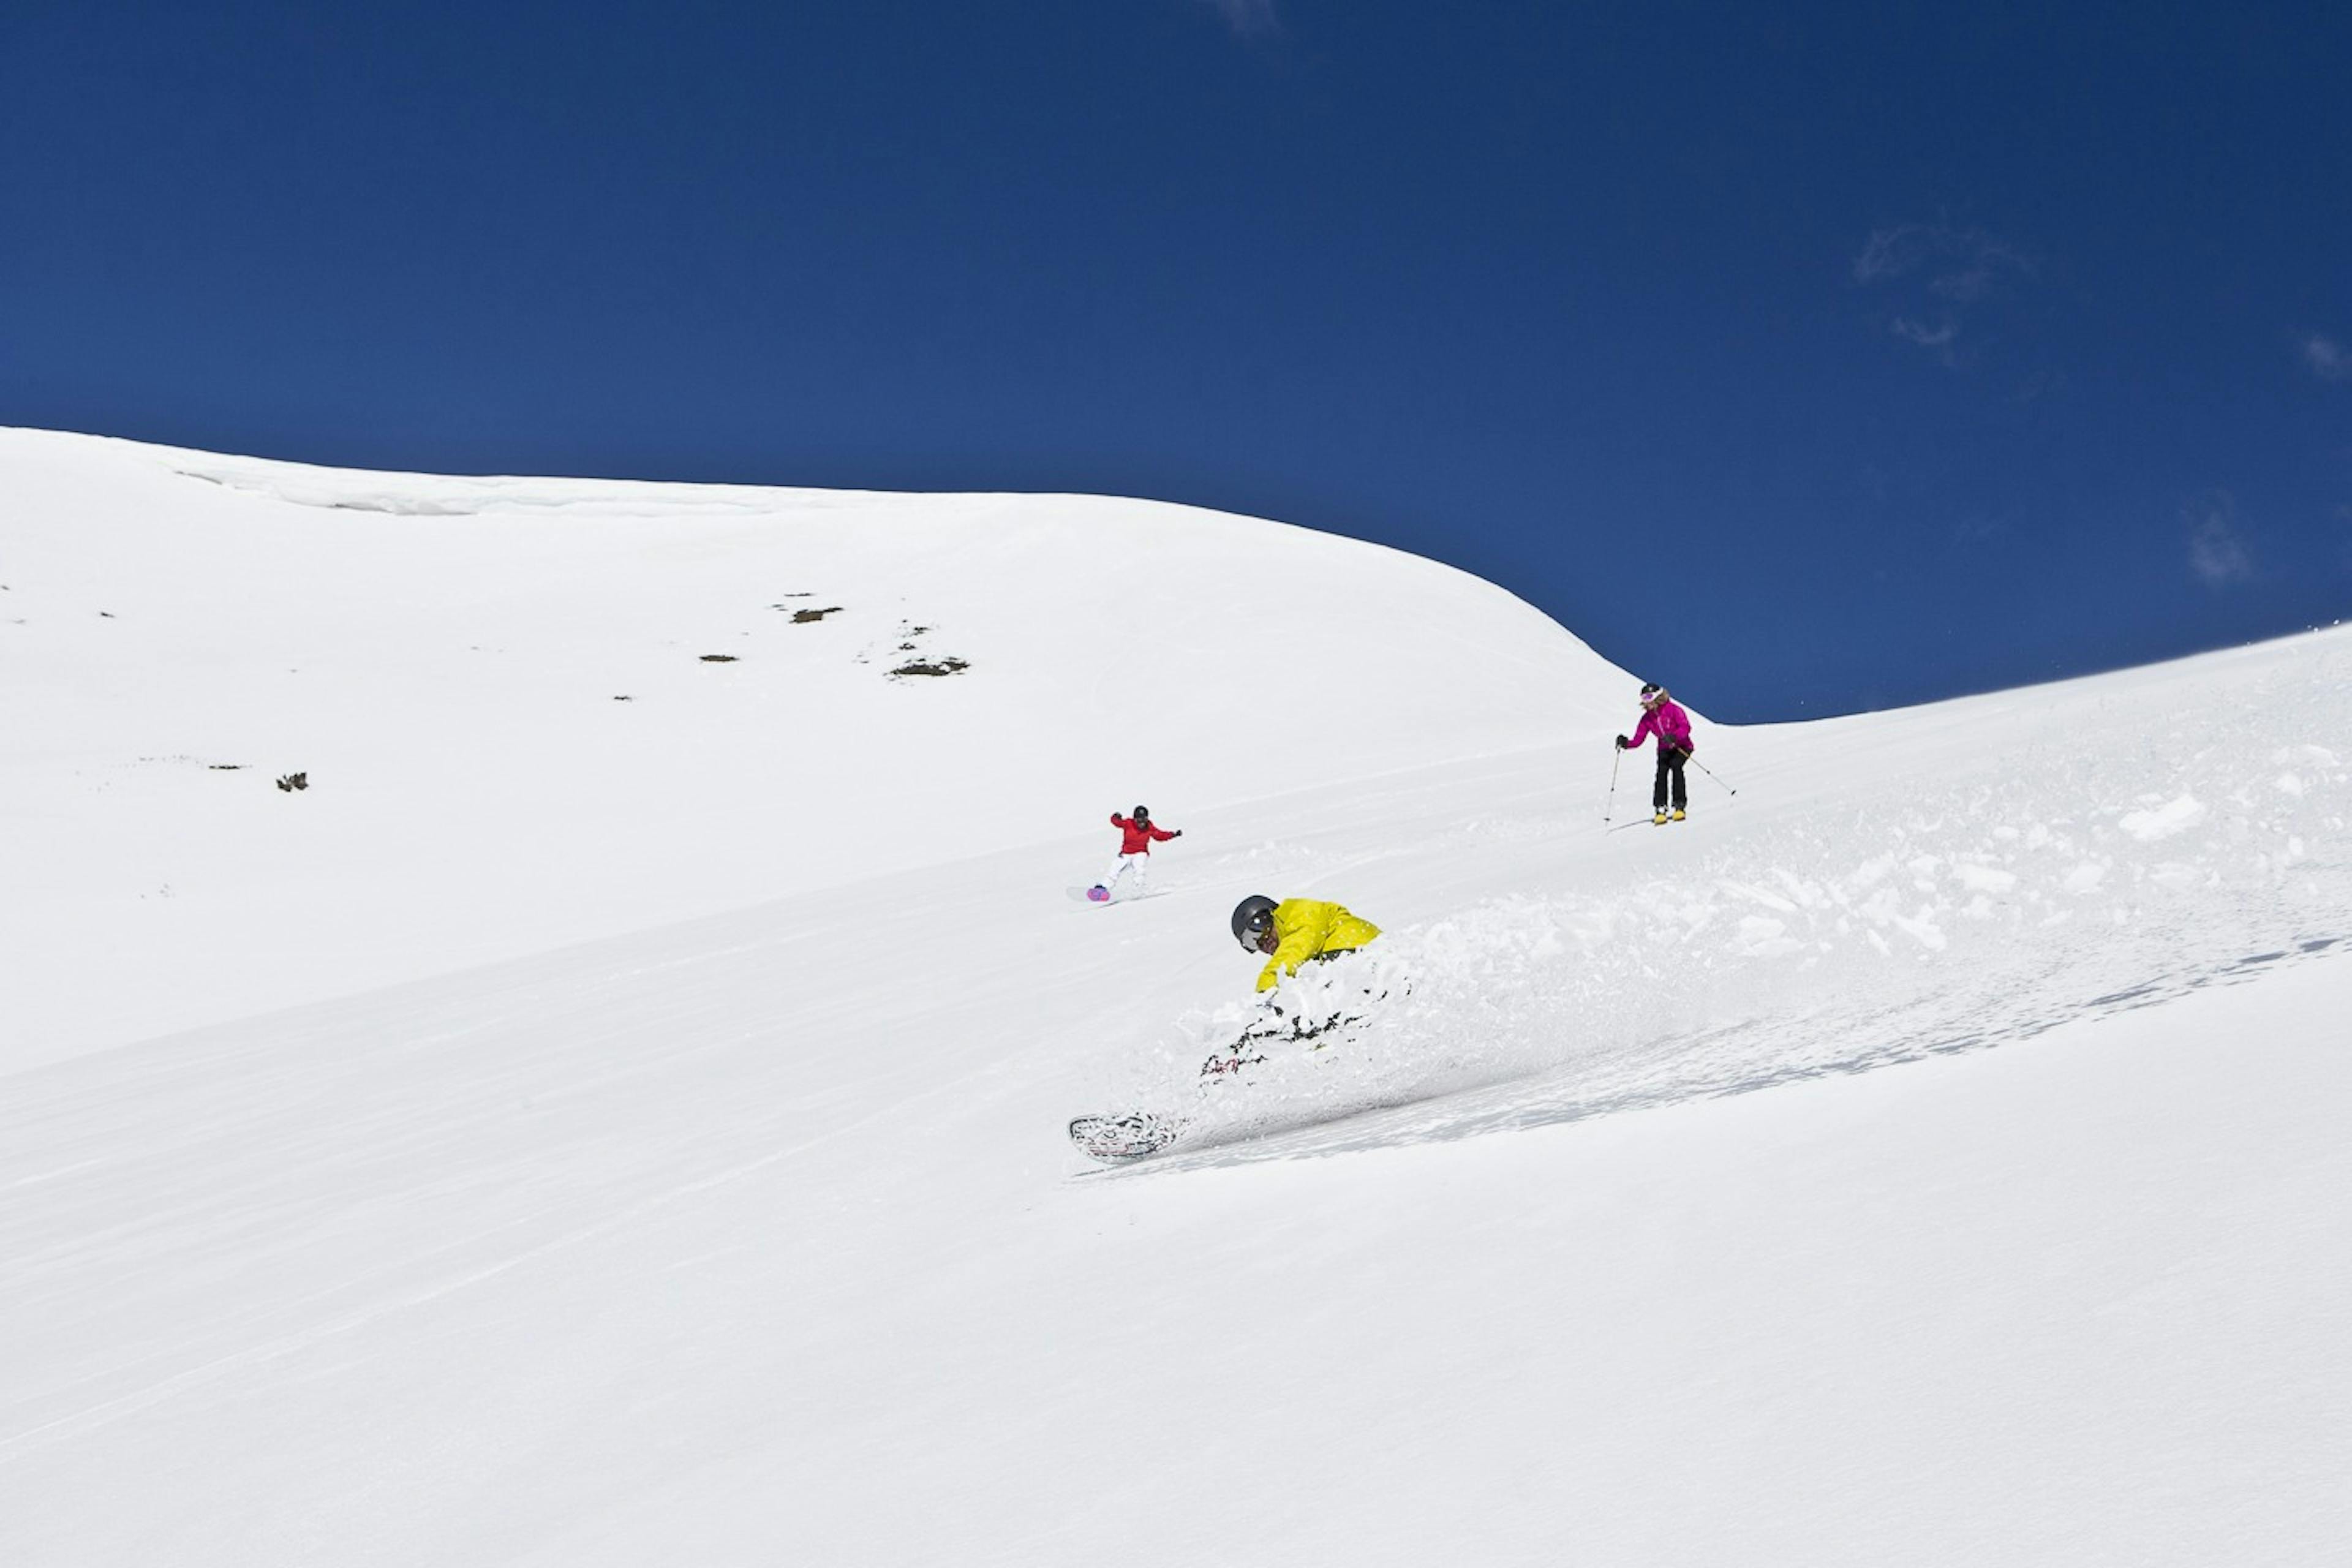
x: 1970, y: 916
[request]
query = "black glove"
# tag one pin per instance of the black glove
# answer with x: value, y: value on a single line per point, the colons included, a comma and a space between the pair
x: 1175, y: 833
x: 1621, y: 742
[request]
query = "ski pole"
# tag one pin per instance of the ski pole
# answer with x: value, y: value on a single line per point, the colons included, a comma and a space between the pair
x: 1710, y: 773
x: 1610, y: 804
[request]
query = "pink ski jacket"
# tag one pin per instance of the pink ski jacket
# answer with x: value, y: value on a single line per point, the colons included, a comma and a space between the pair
x: 1669, y: 722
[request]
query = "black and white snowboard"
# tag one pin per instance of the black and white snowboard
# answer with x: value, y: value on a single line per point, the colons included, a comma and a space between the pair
x: 1116, y: 1140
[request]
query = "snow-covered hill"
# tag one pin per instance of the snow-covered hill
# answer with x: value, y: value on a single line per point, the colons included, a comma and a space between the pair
x: 753, y: 1236
x: 533, y: 712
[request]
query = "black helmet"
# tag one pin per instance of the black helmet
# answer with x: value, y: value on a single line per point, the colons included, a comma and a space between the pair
x: 1651, y: 691
x: 1142, y: 814
x: 1253, y: 918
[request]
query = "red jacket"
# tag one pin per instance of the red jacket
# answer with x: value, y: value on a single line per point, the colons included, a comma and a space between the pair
x: 1140, y: 834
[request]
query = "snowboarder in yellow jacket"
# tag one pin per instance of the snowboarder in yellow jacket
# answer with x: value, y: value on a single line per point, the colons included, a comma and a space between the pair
x: 1297, y: 931
x: 1292, y: 934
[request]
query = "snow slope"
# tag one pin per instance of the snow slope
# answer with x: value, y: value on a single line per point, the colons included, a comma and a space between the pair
x: 753, y: 1238
x: 502, y: 693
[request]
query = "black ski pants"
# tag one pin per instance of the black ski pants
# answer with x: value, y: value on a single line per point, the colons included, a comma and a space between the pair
x: 1669, y: 764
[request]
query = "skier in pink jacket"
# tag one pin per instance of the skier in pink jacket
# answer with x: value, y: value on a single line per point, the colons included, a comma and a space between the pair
x: 1663, y: 717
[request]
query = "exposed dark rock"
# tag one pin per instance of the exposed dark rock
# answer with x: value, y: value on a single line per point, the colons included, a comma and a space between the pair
x: 933, y: 666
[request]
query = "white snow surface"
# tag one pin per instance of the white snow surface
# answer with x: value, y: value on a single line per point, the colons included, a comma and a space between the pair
x: 445, y: 658
x: 574, y: 1132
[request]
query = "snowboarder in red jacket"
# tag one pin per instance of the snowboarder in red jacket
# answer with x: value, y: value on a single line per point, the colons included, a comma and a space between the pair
x: 1137, y: 834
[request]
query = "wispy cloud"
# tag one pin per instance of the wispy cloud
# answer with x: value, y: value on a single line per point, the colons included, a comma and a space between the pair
x: 1891, y: 253
x: 2217, y: 545
x: 1937, y: 336
x: 1962, y: 263
x: 1938, y: 340
x: 2328, y: 360
x: 1950, y: 266
x: 1250, y: 18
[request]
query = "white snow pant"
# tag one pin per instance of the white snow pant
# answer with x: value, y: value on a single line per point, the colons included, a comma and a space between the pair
x: 1139, y: 863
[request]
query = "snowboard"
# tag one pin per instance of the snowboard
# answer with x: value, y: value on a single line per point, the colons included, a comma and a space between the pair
x: 1117, y: 1140
x: 1099, y: 894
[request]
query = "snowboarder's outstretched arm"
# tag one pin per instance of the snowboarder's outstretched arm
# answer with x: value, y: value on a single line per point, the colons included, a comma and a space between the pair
x: 1296, y: 950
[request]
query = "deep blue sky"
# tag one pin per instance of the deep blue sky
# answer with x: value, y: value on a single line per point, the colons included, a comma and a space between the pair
x: 1805, y: 357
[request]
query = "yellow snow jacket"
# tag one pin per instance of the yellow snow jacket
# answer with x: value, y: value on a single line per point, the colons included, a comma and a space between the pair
x: 1306, y: 928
